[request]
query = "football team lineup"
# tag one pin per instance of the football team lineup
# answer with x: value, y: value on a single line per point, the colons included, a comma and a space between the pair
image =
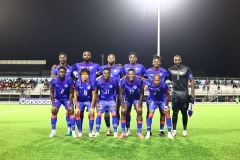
x: 117, y: 91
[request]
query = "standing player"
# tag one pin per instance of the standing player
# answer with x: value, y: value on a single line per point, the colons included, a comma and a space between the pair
x: 149, y: 74
x: 159, y: 96
x: 131, y: 93
x: 116, y: 73
x: 84, y: 96
x: 109, y: 90
x: 94, y: 69
x: 139, y: 72
x: 180, y: 75
x: 63, y: 63
x: 61, y: 92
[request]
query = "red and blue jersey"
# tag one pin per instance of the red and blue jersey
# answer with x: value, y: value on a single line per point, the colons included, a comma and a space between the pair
x: 116, y: 71
x: 157, y: 93
x: 92, y: 67
x: 149, y: 74
x: 62, y: 87
x: 139, y: 69
x: 84, y: 90
x: 132, y: 90
x: 108, y: 89
x: 68, y: 73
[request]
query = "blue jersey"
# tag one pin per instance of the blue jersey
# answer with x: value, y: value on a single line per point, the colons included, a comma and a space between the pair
x: 68, y: 73
x: 157, y: 93
x: 116, y: 71
x: 92, y: 67
x: 62, y: 87
x: 139, y: 69
x: 84, y: 90
x: 108, y: 89
x: 132, y: 90
x: 149, y: 74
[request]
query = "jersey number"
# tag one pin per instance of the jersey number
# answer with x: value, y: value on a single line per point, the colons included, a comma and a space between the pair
x: 85, y: 93
x: 62, y: 91
x: 131, y: 91
x: 107, y: 91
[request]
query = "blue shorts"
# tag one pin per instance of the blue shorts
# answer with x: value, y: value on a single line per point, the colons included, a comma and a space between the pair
x: 153, y: 105
x: 59, y: 102
x: 82, y: 105
x: 130, y: 103
x: 106, y: 105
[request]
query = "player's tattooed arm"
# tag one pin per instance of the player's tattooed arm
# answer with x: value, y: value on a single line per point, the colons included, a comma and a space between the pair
x: 141, y: 96
x: 75, y: 99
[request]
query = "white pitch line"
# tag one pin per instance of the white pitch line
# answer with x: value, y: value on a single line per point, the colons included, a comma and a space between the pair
x: 24, y: 109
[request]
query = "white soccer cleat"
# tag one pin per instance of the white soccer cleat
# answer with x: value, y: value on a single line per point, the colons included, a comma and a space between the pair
x: 93, y: 133
x: 96, y: 135
x: 174, y: 133
x: 90, y: 135
x: 170, y: 136
x: 128, y: 132
x: 52, y: 134
x: 115, y: 135
x: 147, y: 136
x: 79, y: 135
x: 74, y: 135
x: 185, y: 133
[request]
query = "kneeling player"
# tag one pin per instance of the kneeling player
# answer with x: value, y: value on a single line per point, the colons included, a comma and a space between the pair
x: 131, y: 93
x: 61, y: 92
x: 108, y: 98
x: 84, y: 96
x: 159, y: 96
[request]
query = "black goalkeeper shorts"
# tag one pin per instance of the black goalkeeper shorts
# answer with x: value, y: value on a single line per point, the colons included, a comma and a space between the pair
x: 180, y: 100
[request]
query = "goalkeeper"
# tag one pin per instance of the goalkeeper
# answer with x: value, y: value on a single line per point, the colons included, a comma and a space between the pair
x: 181, y: 75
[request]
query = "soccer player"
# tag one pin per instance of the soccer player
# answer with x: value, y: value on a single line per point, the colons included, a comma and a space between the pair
x: 180, y: 75
x: 84, y: 96
x: 139, y: 72
x: 116, y: 73
x: 54, y: 72
x: 131, y: 93
x: 109, y: 90
x: 149, y: 74
x: 62, y: 63
x: 61, y: 92
x: 94, y: 68
x: 159, y: 96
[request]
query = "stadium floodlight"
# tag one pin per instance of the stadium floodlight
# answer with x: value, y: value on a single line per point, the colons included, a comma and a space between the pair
x: 149, y: 5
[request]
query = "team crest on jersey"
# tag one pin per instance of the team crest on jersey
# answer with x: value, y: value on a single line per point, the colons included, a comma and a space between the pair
x: 65, y: 85
x: 136, y: 68
x: 91, y: 67
x: 160, y: 74
x: 88, y: 87
x: 114, y: 70
x: 110, y: 86
x: 135, y: 87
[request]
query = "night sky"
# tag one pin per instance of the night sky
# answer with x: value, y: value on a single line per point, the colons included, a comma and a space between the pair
x: 205, y: 32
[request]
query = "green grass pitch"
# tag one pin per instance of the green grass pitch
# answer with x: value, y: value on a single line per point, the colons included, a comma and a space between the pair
x: 214, y: 133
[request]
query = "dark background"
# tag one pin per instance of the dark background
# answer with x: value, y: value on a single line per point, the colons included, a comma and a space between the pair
x: 205, y: 32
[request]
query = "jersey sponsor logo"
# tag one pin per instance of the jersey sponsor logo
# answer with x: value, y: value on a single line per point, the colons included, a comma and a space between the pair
x: 178, y: 72
x: 37, y: 101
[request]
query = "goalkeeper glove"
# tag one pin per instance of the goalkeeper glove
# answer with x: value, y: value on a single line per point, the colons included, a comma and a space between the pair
x: 190, y: 108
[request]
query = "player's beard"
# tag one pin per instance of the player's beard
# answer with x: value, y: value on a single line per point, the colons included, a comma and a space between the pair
x: 111, y: 64
x: 87, y: 60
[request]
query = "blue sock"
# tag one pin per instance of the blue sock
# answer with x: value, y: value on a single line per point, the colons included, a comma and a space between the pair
x: 123, y: 125
x: 68, y: 120
x: 168, y: 121
x: 72, y: 121
x: 114, y: 122
x: 149, y: 122
x: 128, y: 119
x: 91, y: 122
x: 98, y: 122
x: 79, y: 124
x: 162, y: 123
x: 139, y: 126
x: 54, y: 121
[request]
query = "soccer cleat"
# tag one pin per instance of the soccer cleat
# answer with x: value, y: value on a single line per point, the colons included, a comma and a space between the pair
x: 115, y: 135
x: 123, y: 135
x: 147, y: 136
x: 96, y: 135
x: 74, y: 135
x: 170, y: 136
x: 108, y: 133
x: 79, y: 135
x: 161, y: 133
x: 93, y: 133
x: 128, y: 132
x: 185, y: 133
x: 52, y: 134
x: 174, y: 133
x: 140, y: 136
x: 69, y: 133
x: 90, y: 135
